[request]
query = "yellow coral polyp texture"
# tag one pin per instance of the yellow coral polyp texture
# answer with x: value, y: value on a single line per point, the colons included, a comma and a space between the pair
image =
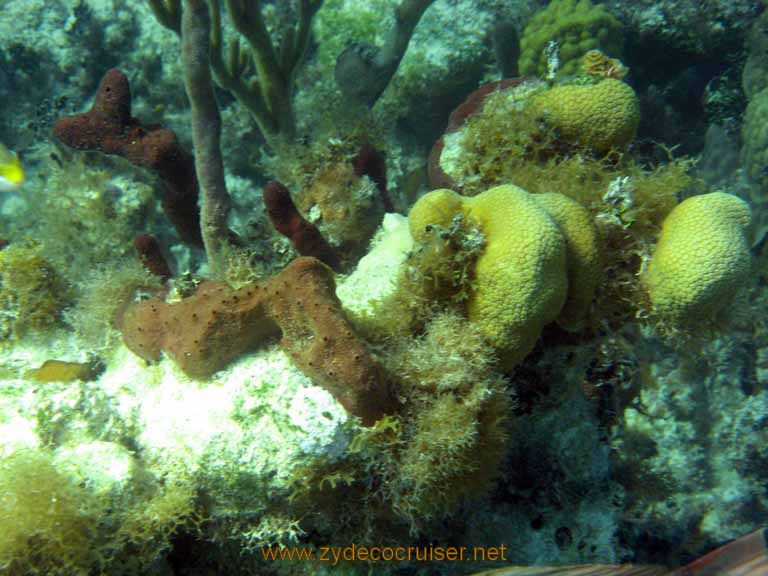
x: 576, y: 27
x: 521, y: 278
x: 701, y: 259
x: 583, y: 255
x: 600, y: 116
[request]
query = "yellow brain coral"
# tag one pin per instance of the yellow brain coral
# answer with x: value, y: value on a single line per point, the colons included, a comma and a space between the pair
x: 701, y: 259
x: 583, y: 261
x: 575, y: 27
x: 599, y: 116
x: 520, y: 278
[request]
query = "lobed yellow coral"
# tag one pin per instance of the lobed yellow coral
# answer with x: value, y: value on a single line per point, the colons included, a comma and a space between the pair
x: 701, y: 259
x: 521, y: 279
x: 575, y: 26
x: 599, y: 116
x: 583, y: 261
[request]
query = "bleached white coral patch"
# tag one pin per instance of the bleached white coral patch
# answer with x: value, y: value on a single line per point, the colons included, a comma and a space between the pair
x: 376, y: 272
x: 257, y: 419
x: 105, y: 467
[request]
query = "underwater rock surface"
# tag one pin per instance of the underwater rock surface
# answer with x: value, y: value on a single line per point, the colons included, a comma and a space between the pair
x: 522, y: 317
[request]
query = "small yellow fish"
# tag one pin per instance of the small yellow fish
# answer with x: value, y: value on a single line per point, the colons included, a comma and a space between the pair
x: 11, y: 172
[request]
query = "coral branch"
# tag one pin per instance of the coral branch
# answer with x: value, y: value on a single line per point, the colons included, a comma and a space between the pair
x: 167, y: 13
x: 206, y: 132
x: 209, y: 329
x: 289, y: 222
x: 370, y: 162
x: 261, y: 76
x: 363, y: 71
x: 108, y: 127
x: 151, y: 256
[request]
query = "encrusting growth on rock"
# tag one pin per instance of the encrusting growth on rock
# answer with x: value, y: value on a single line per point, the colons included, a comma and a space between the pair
x: 209, y: 329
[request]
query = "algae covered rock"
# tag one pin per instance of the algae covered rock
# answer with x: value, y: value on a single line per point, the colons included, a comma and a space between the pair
x: 32, y: 293
x: 702, y: 258
x: 46, y: 519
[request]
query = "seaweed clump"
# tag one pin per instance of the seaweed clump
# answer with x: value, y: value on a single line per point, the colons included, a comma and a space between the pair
x: 53, y: 521
x: 455, y: 422
x: 438, y: 274
x: 101, y: 295
x: 406, y: 474
x: 32, y: 293
x: 46, y: 519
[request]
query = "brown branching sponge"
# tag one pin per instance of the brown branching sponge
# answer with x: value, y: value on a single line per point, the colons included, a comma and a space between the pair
x: 260, y: 74
x: 289, y: 222
x: 151, y: 256
x: 209, y: 329
x: 108, y: 127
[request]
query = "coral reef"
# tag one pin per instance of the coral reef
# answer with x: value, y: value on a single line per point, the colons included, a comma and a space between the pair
x: 701, y: 259
x: 341, y: 188
x: 571, y: 28
x: 522, y: 132
x: 81, y: 214
x: 52, y: 505
x: 407, y: 475
x: 683, y: 26
x: 538, y: 355
x: 207, y: 330
x: 689, y: 449
x: 472, y: 105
